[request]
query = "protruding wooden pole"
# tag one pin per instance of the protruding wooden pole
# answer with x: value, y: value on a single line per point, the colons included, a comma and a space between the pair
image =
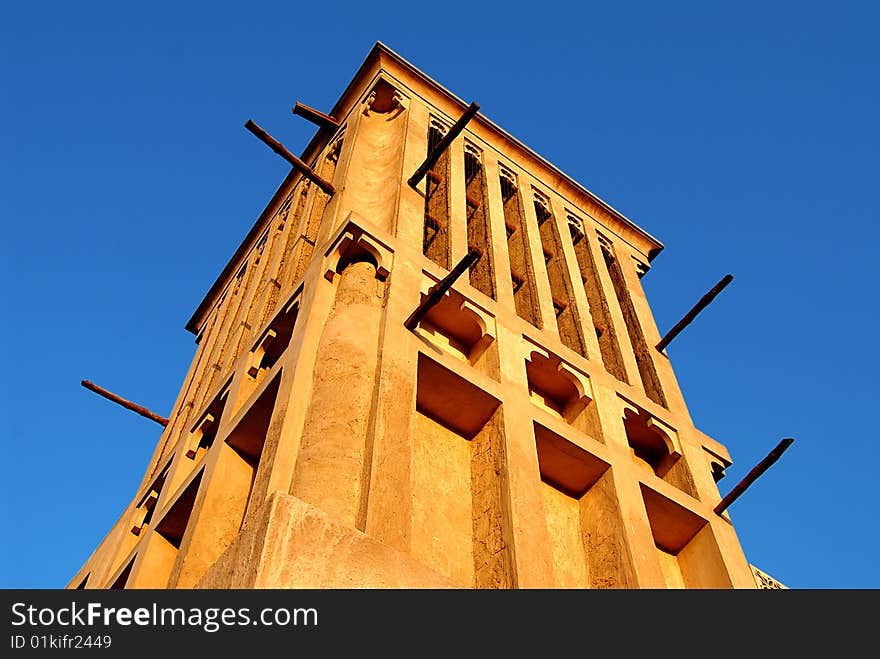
x: 443, y: 144
x: 438, y: 290
x: 143, y: 411
x: 753, y: 475
x: 298, y: 164
x: 698, y: 307
x: 316, y: 117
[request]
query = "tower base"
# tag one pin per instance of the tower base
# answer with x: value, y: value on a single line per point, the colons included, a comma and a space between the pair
x: 291, y: 544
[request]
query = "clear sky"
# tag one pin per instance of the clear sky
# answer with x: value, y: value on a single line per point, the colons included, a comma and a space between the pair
x: 743, y: 135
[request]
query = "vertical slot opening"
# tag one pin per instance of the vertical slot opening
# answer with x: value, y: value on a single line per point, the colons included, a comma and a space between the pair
x: 481, y: 274
x: 647, y: 372
x: 609, y: 347
x: 518, y: 250
x: 234, y: 328
x: 304, y: 246
x: 249, y: 313
x: 436, y: 243
x: 292, y: 245
x: 567, y: 319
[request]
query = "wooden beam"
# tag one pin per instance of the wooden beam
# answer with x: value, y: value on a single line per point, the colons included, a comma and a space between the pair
x: 316, y: 117
x: 297, y: 164
x: 143, y: 411
x: 697, y: 308
x: 438, y: 290
x: 753, y: 475
x: 443, y: 144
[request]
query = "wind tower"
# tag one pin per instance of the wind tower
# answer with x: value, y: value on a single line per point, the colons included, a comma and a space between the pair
x: 347, y: 421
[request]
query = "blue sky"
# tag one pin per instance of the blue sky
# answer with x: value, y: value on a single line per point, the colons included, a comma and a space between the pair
x: 744, y: 136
